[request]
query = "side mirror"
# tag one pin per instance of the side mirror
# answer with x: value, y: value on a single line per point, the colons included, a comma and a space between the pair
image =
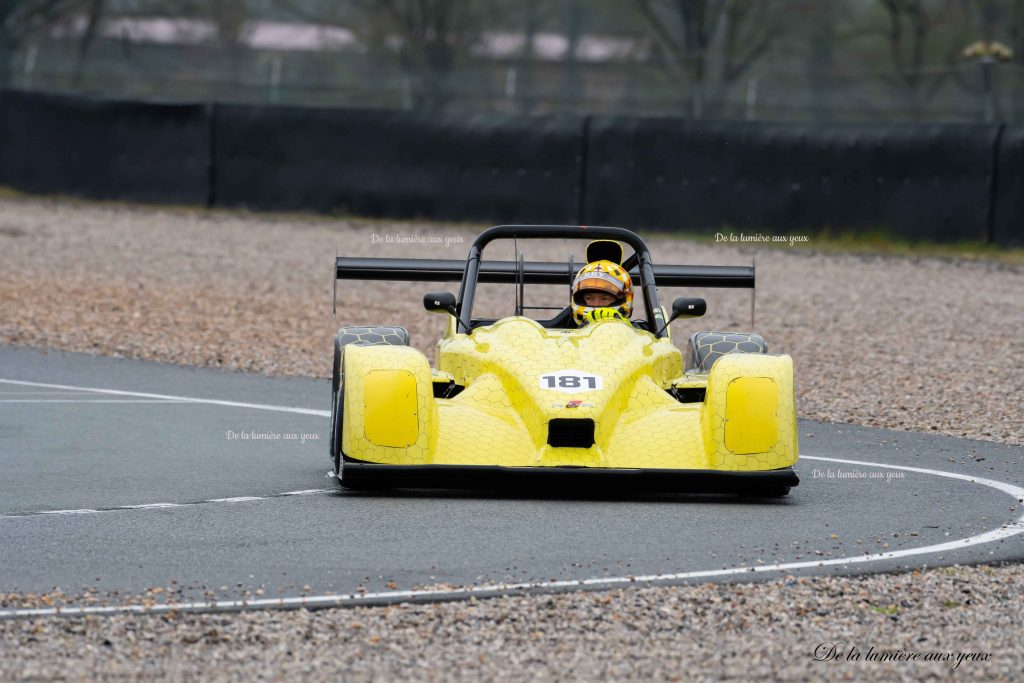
x: 443, y: 302
x: 439, y: 302
x: 686, y: 307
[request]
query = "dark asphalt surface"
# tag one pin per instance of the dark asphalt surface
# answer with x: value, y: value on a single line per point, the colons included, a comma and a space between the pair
x: 62, y: 450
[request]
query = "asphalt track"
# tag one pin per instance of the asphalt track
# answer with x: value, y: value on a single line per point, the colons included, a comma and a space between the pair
x: 142, y: 485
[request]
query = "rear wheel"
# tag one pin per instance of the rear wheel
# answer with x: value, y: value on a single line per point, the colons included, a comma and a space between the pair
x: 707, y: 347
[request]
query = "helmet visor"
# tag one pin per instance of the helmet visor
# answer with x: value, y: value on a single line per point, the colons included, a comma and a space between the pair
x: 593, y: 284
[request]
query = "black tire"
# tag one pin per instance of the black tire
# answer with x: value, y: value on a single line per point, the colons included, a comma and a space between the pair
x: 339, y: 457
x: 707, y: 347
x: 390, y: 335
x: 357, y: 336
x: 337, y: 410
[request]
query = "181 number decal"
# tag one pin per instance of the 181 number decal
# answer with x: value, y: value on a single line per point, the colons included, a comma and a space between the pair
x: 570, y: 381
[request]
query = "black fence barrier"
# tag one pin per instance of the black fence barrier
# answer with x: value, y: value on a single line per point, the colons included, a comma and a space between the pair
x: 928, y: 182
x: 109, y: 150
x: 402, y: 164
x: 918, y: 181
x: 1008, y: 198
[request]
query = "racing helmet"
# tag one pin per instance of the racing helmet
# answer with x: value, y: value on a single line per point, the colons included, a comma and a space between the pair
x: 602, y: 276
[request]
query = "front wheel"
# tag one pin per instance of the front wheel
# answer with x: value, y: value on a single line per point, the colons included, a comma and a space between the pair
x: 381, y: 335
x: 337, y: 414
x: 337, y: 410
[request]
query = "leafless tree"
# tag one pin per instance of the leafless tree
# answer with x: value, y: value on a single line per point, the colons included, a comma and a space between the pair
x: 573, y: 88
x: 19, y: 21
x: 229, y: 19
x: 711, y: 43
x: 1014, y: 18
x: 94, y: 15
x: 925, y: 39
x: 429, y: 37
x: 909, y: 26
x: 434, y: 33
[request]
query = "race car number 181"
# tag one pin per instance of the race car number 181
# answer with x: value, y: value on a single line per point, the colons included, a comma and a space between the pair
x: 570, y: 381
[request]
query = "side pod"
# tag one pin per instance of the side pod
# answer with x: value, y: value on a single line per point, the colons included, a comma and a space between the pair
x: 749, y: 416
x: 390, y: 414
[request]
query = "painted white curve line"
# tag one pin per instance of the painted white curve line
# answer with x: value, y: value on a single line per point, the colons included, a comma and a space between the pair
x: 185, y: 399
x: 165, y: 506
x: 23, y: 392
x: 491, y: 590
x: 150, y: 506
x: 94, y: 400
x: 236, y: 499
x: 83, y: 511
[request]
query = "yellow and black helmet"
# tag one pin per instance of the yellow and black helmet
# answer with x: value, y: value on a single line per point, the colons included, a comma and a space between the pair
x: 606, y: 277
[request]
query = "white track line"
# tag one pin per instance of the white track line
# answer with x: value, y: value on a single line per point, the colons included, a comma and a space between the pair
x: 22, y: 392
x: 165, y: 506
x: 82, y: 511
x: 188, y: 399
x: 493, y: 590
x: 93, y: 400
x: 151, y: 506
x: 153, y: 398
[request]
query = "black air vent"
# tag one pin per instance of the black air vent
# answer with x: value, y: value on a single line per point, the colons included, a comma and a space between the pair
x: 571, y: 433
x: 690, y: 394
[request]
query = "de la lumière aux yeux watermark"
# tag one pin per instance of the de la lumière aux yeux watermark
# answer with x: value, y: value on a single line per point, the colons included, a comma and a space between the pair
x: 761, y: 237
x: 841, y: 651
x: 254, y: 435
x: 415, y: 238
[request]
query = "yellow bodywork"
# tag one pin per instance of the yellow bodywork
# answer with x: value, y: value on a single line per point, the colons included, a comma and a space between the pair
x: 391, y: 408
x: 517, y: 376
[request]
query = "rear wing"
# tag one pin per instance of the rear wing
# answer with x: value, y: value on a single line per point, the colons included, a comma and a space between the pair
x: 533, y: 272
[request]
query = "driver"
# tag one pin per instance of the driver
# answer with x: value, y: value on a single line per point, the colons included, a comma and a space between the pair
x: 602, y: 290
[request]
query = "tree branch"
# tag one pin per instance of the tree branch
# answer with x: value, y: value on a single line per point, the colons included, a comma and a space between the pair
x: 663, y: 38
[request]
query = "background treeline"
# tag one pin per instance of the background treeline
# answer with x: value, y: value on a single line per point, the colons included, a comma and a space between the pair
x: 788, y: 60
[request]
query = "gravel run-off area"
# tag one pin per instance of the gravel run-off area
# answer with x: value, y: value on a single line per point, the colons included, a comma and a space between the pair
x: 919, y: 344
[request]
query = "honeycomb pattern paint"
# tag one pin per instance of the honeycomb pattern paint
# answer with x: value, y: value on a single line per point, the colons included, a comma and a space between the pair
x: 616, y: 352
x: 502, y: 415
x: 358, y: 361
x: 732, y: 366
x: 366, y: 336
x: 707, y: 347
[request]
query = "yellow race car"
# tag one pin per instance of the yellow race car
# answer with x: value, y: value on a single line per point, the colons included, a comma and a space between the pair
x: 525, y: 403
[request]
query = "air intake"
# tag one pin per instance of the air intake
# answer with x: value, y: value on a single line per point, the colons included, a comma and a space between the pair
x: 571, y: 433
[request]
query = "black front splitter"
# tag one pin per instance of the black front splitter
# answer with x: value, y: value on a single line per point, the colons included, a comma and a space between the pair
x: 371, y: 475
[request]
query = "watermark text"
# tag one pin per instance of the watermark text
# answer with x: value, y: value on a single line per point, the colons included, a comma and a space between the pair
x: 760, y: 237
x: 840, y: 473
x: 414, y: 238
x: 256, y: 435
x: 841, y: 651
